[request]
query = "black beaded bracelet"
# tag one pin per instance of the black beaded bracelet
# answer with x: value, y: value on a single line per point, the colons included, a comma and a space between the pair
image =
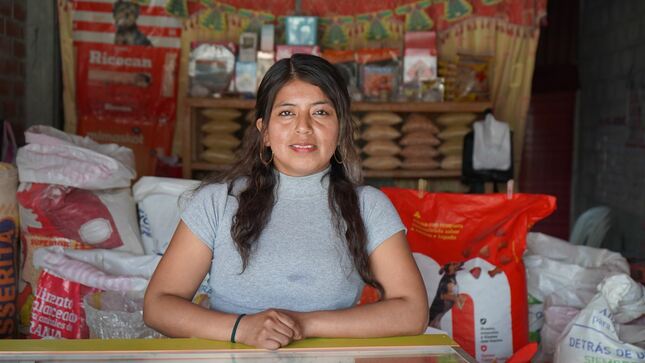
x: 237, y: 322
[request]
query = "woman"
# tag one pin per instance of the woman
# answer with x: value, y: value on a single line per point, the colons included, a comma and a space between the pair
x: 287, y: 234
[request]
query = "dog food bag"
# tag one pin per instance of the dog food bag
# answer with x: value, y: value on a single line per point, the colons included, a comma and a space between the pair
x: 469, y: 250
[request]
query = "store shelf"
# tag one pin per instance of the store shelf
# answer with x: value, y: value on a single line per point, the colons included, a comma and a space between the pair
x: 438, y: 107
x: 411, y: 173
x: 200, y: 165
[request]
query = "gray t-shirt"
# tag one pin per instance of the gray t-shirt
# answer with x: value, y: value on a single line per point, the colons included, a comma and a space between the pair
x: 300, y: 263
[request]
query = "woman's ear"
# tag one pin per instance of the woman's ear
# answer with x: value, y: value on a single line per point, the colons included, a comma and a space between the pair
x: 265, y: 136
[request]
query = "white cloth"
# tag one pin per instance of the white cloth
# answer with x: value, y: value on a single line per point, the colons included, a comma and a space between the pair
x: 492, y: 145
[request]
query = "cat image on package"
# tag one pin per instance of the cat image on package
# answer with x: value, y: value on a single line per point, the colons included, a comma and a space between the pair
x: 125, y: 15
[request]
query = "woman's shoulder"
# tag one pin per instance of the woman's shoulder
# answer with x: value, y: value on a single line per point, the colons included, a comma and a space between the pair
x: 369, y: 196
x: 219, y: 189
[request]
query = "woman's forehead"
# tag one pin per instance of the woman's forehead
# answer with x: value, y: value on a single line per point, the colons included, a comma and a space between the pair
x: 300, y: 92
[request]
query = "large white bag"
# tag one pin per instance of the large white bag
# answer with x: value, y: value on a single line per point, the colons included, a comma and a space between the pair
x: 159, y: 202
x: 554, y: 266
x: 599, y: 333
x: 54, y: 157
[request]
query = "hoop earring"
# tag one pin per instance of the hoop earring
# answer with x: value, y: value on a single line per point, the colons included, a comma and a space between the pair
x: 336, y: 158
x: 266, y: 163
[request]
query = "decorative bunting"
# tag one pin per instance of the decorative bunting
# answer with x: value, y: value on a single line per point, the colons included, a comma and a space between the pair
x: 374, y: 26
x: 215, y: 17
x: 416, y: 18
x: 336, y: 32
x: 455, y: 9
x: 252, y: 21
x: 177, y: 8
x: 491, y: 2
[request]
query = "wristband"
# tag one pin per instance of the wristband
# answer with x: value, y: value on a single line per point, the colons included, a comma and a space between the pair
x: 237, y: 322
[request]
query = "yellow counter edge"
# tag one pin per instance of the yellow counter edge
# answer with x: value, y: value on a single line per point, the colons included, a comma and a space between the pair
x: 175, y: 344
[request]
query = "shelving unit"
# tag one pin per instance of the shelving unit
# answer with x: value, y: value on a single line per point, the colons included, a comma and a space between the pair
x: 191, y: 163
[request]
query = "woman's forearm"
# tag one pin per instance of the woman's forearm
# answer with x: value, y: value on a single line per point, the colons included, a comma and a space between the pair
x: 391, y: 317
x: 176, y: 317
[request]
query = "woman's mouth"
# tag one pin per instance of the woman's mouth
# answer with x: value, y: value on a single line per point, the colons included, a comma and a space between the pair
x: 303, y: 148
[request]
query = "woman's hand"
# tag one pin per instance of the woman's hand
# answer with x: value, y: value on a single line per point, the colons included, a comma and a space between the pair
x: 269, y: 329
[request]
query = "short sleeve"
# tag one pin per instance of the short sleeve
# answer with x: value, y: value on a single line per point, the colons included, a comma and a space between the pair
x: 202, y: 211
x: 381, y: 219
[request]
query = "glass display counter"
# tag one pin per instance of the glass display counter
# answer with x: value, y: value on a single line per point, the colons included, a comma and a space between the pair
x: 422, y: 348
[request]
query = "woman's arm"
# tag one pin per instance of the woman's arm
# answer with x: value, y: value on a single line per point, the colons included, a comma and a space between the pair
x: 168, y: 306
x: 402, y: 311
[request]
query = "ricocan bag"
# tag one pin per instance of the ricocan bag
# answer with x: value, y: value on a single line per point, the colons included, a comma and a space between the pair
x: 469, y: 250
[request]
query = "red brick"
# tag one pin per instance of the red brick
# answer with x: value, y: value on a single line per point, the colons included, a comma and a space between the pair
x: 14, y: 29
x: 19, y: 12
x: 9, y: 108
x: 5, y: 87
x: 11, y: 67
x: 19, y: 89
x: 5, y: 9
x: 5, y: 46
x: 19, y: 49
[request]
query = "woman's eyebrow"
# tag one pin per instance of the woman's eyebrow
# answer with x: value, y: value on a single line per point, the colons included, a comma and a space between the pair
x: 288, y: 104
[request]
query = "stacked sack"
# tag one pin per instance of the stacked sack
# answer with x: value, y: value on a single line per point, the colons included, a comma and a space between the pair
x: 219, y: 138
x: 380, y: 137
x: 454, y: 127
x: 419, y: 143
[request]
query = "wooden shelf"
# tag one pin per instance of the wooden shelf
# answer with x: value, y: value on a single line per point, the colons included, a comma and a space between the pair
x: 438, y: 173
x: 202, y: 165
x: 437, y: 107
x: 399, y: 173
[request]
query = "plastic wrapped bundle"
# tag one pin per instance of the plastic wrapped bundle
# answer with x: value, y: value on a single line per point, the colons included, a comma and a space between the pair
x: 113, y: 315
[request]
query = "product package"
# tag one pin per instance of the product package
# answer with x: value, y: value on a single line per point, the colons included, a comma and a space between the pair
x: 469, y: 251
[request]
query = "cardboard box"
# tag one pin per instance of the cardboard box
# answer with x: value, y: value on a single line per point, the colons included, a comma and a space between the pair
x: 302, y: 30
x: 419, y: 57
x: 246, y: 77
x: 248, y: 47
x: 265, y: 61
x: 267, y: 38
x: 286, y: 51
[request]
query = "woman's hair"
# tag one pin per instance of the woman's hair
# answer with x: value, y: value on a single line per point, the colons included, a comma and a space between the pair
x: 257, y: 200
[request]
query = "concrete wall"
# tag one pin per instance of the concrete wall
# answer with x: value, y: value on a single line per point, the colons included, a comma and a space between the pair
x: 609, y: 166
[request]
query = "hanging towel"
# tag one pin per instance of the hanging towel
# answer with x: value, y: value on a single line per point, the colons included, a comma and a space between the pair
x: 492, y: 144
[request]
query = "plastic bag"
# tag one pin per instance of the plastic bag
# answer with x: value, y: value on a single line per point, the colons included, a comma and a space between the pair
x: 466, y: 247
x: 54, y: 157
x: 57, y: 309
x: 597, y: 333
x: 56, y: 261
x: 112, y: 315
x: 158, y: 200
x: 571, y: 272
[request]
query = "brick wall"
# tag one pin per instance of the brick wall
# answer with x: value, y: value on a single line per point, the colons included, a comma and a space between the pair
x: 610, y: 152
x: 12, y: 62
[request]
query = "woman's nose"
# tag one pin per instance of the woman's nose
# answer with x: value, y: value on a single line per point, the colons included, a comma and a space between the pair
x: 303, y: 125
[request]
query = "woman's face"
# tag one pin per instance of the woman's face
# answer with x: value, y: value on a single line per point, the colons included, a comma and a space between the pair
x: 303, y: 129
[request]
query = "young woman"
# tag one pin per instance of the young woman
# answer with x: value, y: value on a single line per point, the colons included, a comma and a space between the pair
x: 288, y: 234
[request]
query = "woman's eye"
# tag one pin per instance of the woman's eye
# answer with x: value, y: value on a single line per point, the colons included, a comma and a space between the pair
x: 321, y: 113
x: 285, y: 113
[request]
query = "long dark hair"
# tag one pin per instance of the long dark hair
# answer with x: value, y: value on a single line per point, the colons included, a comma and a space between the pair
x: 257, y: 200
